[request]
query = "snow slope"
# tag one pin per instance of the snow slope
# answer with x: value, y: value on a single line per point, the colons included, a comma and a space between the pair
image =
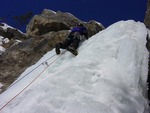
x: 108, y: 76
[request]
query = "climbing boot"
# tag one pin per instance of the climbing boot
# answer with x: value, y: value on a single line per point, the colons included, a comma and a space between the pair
x: 72, y: 50
x: 57, y: 48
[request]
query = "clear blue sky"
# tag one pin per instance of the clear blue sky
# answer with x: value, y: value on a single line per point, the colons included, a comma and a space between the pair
x: 104, y: 11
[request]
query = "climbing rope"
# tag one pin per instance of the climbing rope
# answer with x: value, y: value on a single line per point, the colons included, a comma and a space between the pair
x: 31, y: 81
x: 30, y: 71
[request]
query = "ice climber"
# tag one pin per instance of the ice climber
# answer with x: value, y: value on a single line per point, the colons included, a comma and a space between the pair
x: 71, y: 43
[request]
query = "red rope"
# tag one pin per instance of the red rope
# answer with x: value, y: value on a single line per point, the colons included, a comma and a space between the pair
x: 29, y: 72
x: 28, y: 84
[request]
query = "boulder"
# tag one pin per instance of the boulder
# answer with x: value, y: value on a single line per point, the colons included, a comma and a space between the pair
x: 55, y: 21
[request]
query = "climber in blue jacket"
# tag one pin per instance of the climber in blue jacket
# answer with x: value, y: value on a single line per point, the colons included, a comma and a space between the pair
x: 71, y: 43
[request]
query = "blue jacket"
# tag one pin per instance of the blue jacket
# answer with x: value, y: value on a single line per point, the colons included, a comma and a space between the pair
x: 81, y: 29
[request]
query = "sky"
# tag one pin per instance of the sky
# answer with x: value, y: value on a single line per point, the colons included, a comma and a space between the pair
x: 103, y: 11
x: 105, y: 77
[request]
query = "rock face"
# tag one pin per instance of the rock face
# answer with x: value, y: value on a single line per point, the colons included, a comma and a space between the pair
x: 50, y: 21
x: 147, y: 23
x: 147, y: 16
x: 10, y: 33
x: 43, y: 31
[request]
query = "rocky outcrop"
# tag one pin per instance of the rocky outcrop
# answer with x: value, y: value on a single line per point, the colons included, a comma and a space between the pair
x: 11, y: 33
x: 10, y: 36
x: 147, y: 16
x: 50, y: 21
x: 147, y: 23
x: 43, y: 31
